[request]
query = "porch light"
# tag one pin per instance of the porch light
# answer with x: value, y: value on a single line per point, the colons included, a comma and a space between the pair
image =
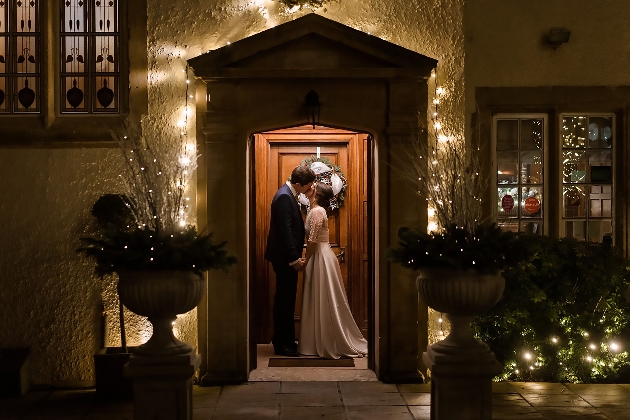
x: 311, y: 102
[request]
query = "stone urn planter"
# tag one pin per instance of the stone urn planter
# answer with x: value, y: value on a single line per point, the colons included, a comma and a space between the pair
x: 461, y: 366
x: 161, y: 296
x: 461, y: 295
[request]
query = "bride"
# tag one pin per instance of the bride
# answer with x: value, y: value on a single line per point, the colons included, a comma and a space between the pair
x: 328, y: 328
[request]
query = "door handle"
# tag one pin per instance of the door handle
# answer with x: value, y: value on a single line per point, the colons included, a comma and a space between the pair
x: 342, y: 255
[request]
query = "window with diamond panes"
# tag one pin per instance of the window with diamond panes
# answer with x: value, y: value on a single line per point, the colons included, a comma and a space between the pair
x: 20, y: 40
x: 90, y: 69
x: 520, y: 155
x: 587, y: 177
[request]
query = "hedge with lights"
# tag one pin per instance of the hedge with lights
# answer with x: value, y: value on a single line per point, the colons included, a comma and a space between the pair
x: 563, y: 316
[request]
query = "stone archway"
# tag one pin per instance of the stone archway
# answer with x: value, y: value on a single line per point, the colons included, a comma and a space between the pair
x: 259, y: 83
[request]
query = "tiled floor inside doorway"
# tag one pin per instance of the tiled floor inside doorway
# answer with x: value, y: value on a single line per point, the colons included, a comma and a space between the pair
x: 264, y: 373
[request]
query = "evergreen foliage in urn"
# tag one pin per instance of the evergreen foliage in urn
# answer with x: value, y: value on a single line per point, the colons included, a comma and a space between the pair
x: 144, y: 227
x: 485, y: 249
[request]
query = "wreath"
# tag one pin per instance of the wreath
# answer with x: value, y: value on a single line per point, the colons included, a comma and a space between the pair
x: 328, y: 173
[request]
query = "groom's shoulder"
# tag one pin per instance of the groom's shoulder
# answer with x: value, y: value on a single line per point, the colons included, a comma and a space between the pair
x: 282, y: 191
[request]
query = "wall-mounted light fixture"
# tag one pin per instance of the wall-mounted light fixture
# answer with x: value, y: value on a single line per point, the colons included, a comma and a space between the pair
x: 557, y: 37
x: 311, y: 102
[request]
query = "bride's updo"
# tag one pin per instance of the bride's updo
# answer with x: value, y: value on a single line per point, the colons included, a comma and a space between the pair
x: 323, y: 194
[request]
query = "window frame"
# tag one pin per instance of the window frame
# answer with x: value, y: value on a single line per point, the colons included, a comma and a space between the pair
x: 546, y: 170
x: 560, y: 203
x: 51, y: 127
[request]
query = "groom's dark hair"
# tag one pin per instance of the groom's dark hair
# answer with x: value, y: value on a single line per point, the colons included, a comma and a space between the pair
x: 302, y: 175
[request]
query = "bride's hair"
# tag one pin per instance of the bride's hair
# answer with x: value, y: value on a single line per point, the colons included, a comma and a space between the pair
x: 324, y: 193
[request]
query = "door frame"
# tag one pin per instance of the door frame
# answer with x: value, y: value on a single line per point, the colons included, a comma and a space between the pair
x: 260, y: 83
x: 255, y: 221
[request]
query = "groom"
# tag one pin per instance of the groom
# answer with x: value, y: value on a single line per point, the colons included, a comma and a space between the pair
x: 284, y: 251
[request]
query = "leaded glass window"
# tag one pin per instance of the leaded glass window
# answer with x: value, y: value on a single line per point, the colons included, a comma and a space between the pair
x: 587, y: 176
x: 90, y: 51
x: 20, y: 41
x: 520, y: 148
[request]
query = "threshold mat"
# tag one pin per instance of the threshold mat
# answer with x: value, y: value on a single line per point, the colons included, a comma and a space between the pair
x: 309, y: 361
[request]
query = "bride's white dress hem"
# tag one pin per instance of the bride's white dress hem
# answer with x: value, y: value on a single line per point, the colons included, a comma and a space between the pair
x: 327, y: 327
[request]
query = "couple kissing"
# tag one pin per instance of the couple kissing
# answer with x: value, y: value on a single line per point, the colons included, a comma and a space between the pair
x: 328, y: 329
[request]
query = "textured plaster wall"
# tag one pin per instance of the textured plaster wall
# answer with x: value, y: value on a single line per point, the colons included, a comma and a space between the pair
x: 505, y: 46
x: 50, y: 301
x: 49, y: 298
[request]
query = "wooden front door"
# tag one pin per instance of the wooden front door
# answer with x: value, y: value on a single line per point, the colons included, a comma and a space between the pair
x: 276, y: 154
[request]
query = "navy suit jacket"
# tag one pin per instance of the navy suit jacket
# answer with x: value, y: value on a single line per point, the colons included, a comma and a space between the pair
x: 286, y: 230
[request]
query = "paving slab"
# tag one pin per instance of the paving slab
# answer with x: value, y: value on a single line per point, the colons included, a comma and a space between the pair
x: 335, y: 400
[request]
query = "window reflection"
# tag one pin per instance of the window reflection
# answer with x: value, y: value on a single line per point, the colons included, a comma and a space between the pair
x: 520, y: 172
x: 591, y: 202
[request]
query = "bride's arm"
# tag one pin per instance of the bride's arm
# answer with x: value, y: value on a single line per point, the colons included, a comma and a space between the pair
x: 316, y: 222
x: 310, y: 248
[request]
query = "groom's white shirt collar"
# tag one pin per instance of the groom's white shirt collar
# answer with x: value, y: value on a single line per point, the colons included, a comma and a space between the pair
x: 291, y: 188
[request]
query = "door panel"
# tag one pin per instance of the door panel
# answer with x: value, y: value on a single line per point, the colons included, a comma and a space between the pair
x: 283, y: 159
x: 277, y: 153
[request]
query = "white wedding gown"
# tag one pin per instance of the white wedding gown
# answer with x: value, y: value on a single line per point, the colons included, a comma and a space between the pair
x: 327, y: 326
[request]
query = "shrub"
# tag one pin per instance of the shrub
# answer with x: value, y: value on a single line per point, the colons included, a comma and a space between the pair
x: 563, y: 316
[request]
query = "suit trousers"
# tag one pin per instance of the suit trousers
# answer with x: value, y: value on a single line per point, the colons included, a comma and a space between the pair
x: 284, y: 305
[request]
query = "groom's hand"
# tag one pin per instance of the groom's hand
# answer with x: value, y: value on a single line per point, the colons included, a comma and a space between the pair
x: 299, y: 265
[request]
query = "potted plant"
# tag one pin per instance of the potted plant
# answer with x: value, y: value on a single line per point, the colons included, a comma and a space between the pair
x: 459, y: 262
x: 111, y: 214
x: 142, y: 235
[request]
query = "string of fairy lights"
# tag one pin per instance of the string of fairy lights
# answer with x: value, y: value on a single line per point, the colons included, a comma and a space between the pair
x: 432, y: 223
x: 189, y: 148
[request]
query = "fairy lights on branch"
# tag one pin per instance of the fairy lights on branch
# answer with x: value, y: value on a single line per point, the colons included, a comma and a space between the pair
x: 445, y: 170
x: 157, y: 180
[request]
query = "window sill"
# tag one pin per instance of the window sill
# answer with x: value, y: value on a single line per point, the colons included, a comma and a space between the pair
x: 65, y: 131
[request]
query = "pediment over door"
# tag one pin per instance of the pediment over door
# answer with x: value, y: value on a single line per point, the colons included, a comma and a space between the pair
x: 312, y: 46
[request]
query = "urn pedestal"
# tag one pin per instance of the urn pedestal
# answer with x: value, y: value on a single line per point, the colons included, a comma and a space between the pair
x: 461, y: 366
x: 163, y: 367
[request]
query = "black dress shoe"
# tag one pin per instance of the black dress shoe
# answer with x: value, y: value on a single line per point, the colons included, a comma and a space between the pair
x: 286, y: 351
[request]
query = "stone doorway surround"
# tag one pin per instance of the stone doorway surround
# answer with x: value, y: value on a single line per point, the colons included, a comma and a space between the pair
x: 258, y: 84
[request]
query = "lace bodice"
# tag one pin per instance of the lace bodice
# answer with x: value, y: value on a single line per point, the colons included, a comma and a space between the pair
x: 317, y: 225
